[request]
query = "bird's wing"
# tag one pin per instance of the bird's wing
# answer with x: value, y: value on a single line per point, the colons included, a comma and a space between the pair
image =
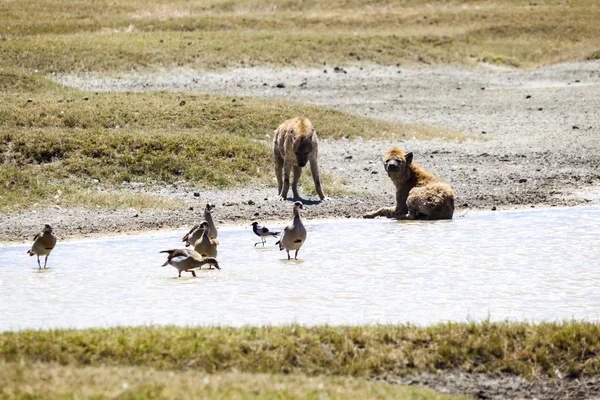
x: 264, y: 229
x: 177, y: 252
x: 187, y: 235
x: 37, y: 235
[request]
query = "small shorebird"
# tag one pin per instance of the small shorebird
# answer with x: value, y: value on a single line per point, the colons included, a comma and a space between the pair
x: 196, y: 233
x: 187, y: 260
x: 43, y: 243
x: 205, y: 246
x: 294, y: 235
x: 263, y: 232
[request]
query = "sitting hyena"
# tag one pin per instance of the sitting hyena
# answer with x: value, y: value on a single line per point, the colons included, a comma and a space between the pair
x: 295, y: 143
x: 419, y: 195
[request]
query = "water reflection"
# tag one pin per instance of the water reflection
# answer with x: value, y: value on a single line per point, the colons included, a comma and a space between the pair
x: 520, y: 265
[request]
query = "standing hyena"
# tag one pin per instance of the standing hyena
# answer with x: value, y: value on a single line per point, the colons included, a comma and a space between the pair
x: 294, y: 145
x: 419, y: 195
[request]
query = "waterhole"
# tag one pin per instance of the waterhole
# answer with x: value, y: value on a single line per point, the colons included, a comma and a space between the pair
x: 539, y: 265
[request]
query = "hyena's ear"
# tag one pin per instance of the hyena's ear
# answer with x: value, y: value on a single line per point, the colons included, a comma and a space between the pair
x: 409, y: 158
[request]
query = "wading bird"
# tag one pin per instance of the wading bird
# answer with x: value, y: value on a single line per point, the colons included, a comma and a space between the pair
x: 43, y: 243
x: 294, y: 235
x: 263, y: 232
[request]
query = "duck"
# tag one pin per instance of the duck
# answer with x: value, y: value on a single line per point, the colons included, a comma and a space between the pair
x: 206, y: 246
x: 187, y: 260
x: 196, y: 232
x: 294, y: 235
x: 43, y: 244
x: 263, y: 232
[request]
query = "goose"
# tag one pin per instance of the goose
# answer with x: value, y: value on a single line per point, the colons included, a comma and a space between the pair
x: 43, y: 243
x: 212, y: 229
x: 294, y: 235
x: 206, y: 246
x: 187, y: 260
x: 196, y: 233
x: 263, y: 232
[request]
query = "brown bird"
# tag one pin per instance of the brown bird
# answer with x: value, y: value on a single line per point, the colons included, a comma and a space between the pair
x: 43, y: 243
x: 206, y: 246
x: 294, y: 235
x: 196, y: 233
x: 187, y: 260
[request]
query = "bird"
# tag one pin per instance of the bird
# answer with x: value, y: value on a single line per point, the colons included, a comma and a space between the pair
x: 43, y: 243
x: 188, y: 260
x: 193, y: 235
x: 294, y: 235
x: 263, y: 232
x: 196, y: 233
x: 206, y: 246
x: 212, y: 229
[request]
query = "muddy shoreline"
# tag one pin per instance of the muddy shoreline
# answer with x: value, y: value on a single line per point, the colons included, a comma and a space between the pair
x: 534, y: 141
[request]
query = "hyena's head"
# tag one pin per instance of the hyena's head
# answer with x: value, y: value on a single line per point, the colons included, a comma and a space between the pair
x: 397, y: 163
x: 302, y: 140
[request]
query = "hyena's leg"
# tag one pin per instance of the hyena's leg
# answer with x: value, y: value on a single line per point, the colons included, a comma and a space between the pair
x: 287, y: 168
x: 278, y: 170
x: 314, y: 170
x: 297, y: 174
x: 388, y: 212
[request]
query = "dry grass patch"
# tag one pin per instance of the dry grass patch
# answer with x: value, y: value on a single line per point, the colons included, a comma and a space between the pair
x: 55, y: 381
x: 75, y: 36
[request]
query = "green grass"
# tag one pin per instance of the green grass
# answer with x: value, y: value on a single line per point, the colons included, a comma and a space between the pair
x: 63, y: 382
x: 545, y: 350
x: 76, y: 36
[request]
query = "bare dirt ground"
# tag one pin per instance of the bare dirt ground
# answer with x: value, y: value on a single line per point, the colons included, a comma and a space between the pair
x: 535, y: 141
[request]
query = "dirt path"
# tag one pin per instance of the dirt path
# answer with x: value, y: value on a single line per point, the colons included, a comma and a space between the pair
x: 541, y: 146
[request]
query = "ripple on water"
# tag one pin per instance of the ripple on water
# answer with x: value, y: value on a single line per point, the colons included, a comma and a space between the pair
x: 518, y: 265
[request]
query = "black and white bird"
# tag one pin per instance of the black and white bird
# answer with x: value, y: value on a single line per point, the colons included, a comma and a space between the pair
x: 263, y: 232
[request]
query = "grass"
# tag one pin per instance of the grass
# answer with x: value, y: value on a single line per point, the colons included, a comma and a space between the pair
x: 64, y: 382
x: 77, y: 36
x: 546, y: 350
x: 55, y: 139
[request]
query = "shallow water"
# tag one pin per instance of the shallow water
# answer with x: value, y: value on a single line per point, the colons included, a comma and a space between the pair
x: 518, y: 265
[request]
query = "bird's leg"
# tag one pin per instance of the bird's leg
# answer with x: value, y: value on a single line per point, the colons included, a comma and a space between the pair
x: 296, y: 255
x: 180, y: 274
x: 45, y: 261
x: 193, y: 273
x: 288, y: 253
x: 263, y: 241
x: 257, y: 243
x: 39, y: 265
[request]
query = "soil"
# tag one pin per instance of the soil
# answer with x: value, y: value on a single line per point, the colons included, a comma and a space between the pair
x: 535, y: 142
x: 481, y: 386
